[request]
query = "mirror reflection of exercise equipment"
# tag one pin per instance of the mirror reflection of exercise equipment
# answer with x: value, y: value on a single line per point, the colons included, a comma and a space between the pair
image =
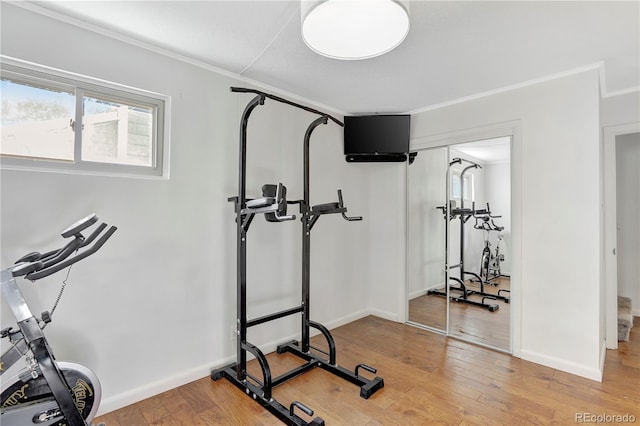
x: 426, y: 261
x: 473, y: 207
x: 460, y: 290
x: 491, y: 259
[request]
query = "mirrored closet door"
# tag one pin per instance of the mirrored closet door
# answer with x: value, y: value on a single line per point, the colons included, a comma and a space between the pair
x: 459, y: 241
x: 426, y: 251
x: 480, y: 242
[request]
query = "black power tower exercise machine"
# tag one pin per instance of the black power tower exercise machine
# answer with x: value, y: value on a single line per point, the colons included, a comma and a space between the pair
x: 273, y: 204
x: 463, y: 215
x: 46, y: 392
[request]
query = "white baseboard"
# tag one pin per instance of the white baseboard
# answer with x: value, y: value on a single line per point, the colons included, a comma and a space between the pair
x: 143, y: 392
x: 347, y: 319
x: 592, y: 373
x: 417, y: 293
x: 138, y: 394
x: 635, y: 312
x: 423, y: 291
x: 391, y: 316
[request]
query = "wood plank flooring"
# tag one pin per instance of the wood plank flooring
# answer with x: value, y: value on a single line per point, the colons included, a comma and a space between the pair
x: 429, y: 379
x: 468, y: 322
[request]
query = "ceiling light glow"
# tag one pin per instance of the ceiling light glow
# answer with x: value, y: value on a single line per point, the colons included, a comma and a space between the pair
x: 354, y: 29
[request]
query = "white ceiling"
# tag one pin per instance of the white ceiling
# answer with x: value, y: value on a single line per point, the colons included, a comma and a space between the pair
x: 495, y: 150
x: 454, y: 49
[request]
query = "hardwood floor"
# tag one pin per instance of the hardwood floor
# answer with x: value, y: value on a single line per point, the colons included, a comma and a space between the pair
x: 468, y: 322
x: 429, y: 379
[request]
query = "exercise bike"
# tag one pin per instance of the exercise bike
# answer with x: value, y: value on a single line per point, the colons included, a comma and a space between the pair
x: 46, y: 392
x: 490, y: 262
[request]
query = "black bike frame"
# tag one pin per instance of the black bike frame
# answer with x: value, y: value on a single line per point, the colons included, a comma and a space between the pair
x: 33, y: 338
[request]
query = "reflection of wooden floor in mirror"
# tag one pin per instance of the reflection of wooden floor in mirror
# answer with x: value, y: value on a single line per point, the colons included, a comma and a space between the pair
x: 472, y: 323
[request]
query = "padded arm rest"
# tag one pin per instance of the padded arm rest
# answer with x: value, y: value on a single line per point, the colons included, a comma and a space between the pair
x: 279, y: 194
x: 326, y: 207
x: 461, y: 211
x: 260, y: 202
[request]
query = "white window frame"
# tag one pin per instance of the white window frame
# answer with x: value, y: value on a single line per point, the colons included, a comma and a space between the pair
x: 470, y: 181
x: 87, y: 86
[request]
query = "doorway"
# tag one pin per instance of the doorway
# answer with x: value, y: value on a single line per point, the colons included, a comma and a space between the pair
x: 459, y: 241
x: 627, y: 208
x: 620, y: 189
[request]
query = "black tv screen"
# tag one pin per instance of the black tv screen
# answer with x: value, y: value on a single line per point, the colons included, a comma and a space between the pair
x: 376, y: 134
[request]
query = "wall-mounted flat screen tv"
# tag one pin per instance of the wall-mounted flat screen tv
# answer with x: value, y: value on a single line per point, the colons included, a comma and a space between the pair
x: 376, y: 137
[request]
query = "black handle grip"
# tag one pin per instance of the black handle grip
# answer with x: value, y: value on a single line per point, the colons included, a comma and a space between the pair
x: 365, y: 367
x: 29, y: 257
x: 63, y: 253
x: 60, y: 266
x: 341, y: 205
x: 308, y: 411
x: 48, y: 255
x: 26, y: 268
x: 94, y: 234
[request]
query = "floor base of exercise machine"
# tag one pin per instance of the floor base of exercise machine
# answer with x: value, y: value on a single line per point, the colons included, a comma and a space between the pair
x: 464, y: 297
x: 367, y: 387
x: 287, y: 415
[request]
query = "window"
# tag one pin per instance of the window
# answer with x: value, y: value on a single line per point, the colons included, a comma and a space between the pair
x: 60, y: 121
x: 456, y: 186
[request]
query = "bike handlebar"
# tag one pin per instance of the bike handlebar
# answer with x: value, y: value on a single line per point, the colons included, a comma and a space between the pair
x: 63, y: 253
x: 39, y: 266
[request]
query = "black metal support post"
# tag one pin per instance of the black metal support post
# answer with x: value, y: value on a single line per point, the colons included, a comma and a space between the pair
x: 306, y: 234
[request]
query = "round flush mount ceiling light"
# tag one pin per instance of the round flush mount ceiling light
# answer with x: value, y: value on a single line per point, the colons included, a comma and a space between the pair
x: 354, y: 29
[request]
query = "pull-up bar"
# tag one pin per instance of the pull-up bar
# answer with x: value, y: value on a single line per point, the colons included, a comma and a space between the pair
x: 288, y: 102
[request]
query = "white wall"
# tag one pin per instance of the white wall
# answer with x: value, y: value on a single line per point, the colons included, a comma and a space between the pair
x: 386, y: 237
x: 620, y: 109
x: 628, y: 205
x: 560, y: 277
x: 155, y: 307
